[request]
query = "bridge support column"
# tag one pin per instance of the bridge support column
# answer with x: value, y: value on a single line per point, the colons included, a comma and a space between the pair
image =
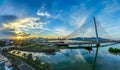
x: 88, y: 45
x: 91, y: 45
x: 79, y: 45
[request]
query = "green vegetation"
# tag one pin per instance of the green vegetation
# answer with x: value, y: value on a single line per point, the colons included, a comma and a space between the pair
x: 114, y: 50
x: 24, y: 55
x: 35, y: 63
x: 62, y: 47
x: 2, y: 43
x: 38, y: 46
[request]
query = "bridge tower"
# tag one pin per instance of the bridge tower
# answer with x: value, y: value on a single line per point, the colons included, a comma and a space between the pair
x: 97, y: 44
x: 96, y: 31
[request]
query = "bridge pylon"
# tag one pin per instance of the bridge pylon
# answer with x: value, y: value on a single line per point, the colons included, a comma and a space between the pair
x: 96, y: 31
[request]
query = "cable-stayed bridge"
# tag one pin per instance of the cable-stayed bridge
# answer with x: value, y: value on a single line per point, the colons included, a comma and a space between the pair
x: 91, y: 34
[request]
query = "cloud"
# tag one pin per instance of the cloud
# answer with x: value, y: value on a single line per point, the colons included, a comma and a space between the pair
x: 5, y: 32
x: 24, y: 26
x: 78, y: 21
x: 55, y: 17
x: 110, y: 10
x: 28, y: 27
x: 79, y: 15
x: 23, y: 34
x: 110, y: 7
x: 62, y: 31
x: 7, y: 18
x: 109, y: 17
x: 42, y: 12
x: 39, y: 13
x: 11, y: 8
x: 89, y: 32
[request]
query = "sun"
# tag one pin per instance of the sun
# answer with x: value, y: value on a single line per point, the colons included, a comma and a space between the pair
x: 19, y: 37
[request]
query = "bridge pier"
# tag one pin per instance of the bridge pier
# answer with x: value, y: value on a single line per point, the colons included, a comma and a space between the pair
x: 79, y: 45
x: 90, y: 44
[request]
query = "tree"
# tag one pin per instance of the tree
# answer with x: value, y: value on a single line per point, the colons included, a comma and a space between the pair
x: 46, y: 66
x: 14, y: 52
x: 24, y: 55
x: 2, y: 43
x: 30, y: 57
x: 18, y: 53
x: 37, y: 60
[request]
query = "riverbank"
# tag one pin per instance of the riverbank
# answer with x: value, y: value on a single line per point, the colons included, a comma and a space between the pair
x: 48, y: 49
x: 17, y: 63
x: 33, y: 62
x: 30, y: 49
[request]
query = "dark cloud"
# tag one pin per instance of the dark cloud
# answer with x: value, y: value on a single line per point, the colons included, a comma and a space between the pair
x: 23, y: 34
x: 7, y: 18
x: 7, y: 31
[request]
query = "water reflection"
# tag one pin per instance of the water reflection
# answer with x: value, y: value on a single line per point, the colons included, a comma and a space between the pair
x: 95, y: 59
x: 81, y: 59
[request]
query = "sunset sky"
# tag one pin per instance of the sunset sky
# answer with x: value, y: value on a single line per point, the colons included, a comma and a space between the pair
x: 55, y: 18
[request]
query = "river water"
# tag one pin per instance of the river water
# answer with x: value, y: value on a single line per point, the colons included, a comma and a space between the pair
x: 81, y: 59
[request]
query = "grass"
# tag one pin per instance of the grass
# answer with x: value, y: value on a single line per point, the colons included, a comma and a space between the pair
x: 114, y: 50
x: 62, y: 47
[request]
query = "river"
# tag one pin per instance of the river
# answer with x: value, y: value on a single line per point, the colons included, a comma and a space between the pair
x: 81, y: 59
